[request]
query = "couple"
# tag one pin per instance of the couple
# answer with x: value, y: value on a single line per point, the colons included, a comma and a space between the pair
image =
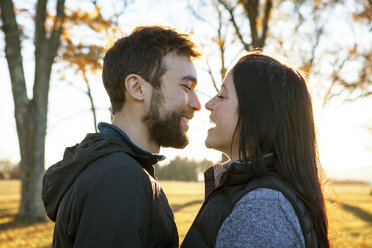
x: 104, y: 192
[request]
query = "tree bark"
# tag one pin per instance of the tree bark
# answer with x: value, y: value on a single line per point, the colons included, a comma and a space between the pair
x: 251, y: 8
x: 31, y: 115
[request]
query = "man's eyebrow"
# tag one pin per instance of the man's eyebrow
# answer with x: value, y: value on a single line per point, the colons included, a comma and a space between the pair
x: 190, y: 78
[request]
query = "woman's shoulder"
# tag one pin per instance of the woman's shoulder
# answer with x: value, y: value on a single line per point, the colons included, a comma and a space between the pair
x: 262, y: 217
x: 268, y: 200
x: 267, y: 195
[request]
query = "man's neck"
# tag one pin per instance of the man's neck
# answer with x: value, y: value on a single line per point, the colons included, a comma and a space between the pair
x: 137, y: 132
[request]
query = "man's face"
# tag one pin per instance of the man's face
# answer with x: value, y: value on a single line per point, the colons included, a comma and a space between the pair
x: 173, y: 105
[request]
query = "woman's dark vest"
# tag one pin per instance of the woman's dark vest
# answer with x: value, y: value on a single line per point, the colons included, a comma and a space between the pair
x: 239, y: 180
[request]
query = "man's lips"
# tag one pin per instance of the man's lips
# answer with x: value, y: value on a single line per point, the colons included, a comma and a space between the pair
x: 185, y: 119
x: 187, y: 116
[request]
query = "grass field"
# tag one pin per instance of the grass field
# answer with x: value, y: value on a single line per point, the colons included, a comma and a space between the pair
x: 350, y: 223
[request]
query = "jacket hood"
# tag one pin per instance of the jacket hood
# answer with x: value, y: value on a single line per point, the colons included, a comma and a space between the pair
x: 60, y: 176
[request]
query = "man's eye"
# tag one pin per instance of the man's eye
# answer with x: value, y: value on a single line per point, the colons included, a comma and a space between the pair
x: 187, y: 87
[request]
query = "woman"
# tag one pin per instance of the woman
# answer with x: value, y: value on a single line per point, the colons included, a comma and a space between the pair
x: 269, y: 194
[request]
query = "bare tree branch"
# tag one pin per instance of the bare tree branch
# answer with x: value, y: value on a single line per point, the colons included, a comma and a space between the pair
x: 251, y: 8
x: 230, y: 10
x: 195, y: 13
x: 221, y: 42
x: 329, y: 95
x: 40, y: 29
x: 309, y: 64
x: 89, y: 93
x: 363, y: 95
x: 203, y: 93
x: 209, y: 70
x: 53, y: 125
x: 268, y: 7
x: 57, y: 30
x: 73, y: 85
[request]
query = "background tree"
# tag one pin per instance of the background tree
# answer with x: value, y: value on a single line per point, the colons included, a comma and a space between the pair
x: 258, y: 14
x: 299, y: 31
x: 204, y: 165
x: 9, y: 170
x: 216, y: 47
x: 360, y: 85
x: 31, y: 112
x: 180, y: 169
x: 81, y: 56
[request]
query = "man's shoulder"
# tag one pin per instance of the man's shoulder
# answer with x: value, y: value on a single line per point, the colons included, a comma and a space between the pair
x: 117, y: 167
x: 118, y: 160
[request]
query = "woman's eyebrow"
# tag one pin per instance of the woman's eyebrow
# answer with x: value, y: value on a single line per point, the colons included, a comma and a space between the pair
x: 223, y: 87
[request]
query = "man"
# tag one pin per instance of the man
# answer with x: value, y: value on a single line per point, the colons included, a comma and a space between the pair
x: 104, y: 192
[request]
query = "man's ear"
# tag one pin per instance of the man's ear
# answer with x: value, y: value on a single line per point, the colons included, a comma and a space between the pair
x: 134, y: 87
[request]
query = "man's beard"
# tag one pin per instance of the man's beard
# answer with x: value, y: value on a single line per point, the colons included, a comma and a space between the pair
x: 165, y: 131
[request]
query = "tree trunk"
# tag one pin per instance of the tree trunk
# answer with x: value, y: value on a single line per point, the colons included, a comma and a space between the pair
x: 31, y: 115
x: 32, y: 166
x: 257, y: 22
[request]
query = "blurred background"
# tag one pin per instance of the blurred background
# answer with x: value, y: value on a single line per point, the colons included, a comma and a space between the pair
x: 52, y: 94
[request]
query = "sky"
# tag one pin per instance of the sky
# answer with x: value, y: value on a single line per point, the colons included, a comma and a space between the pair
x: 344, y: 142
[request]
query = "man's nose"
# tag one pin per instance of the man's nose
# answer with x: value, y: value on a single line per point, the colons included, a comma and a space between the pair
x: 194, y: 102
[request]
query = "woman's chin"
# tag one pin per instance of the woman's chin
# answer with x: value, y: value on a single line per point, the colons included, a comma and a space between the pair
x: 211, y: 145
x: 208, y: 143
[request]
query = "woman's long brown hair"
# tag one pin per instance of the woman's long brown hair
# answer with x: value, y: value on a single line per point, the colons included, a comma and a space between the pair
x: 276, y: 115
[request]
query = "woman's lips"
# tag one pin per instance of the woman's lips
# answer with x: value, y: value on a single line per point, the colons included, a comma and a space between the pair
x: 211, y: 125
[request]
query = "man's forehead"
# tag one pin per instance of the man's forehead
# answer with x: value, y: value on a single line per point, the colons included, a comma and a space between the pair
x: 172, y: 60
x: 180, y: 65
x: 170, y: 57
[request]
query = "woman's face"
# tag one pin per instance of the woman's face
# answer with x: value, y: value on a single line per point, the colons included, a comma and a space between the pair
x: 224, y: 114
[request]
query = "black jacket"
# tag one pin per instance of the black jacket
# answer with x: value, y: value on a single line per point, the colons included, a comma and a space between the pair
x: 103, y: 194
x: 220, y: 201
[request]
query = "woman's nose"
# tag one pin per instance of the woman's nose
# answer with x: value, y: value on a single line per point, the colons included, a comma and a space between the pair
x: 210, y: 105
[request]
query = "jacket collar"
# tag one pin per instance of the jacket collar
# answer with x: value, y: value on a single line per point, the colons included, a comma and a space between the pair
x: 237, y: 172
x: 135, y: 151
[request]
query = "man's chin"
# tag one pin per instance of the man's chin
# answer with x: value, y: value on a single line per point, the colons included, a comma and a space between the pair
x: 177, y: 144
x: 183, y: 145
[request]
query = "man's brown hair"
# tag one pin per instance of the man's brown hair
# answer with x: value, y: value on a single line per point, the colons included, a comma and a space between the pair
x: 141, y: 53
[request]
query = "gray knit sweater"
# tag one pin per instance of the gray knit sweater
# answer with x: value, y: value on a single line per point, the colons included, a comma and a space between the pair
x: 262, y: 218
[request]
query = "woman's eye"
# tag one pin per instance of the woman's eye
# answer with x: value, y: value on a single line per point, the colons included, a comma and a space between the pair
x: 220, y: 97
